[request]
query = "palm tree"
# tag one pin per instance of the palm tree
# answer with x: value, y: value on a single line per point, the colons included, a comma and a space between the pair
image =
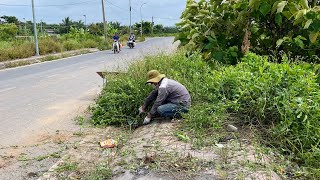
x: 66, y: 23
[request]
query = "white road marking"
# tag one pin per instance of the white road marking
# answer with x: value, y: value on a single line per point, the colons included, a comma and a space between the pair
x: 53, y: 75
x: 7, y: 89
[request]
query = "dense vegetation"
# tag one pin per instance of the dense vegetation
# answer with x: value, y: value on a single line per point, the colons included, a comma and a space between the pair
x: 274, y: 90
x: 225, y: 30
x: 16, y: 38
x: 281, y: 100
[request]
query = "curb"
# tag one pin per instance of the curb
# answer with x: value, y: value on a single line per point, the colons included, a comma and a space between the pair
x: 35, y: 60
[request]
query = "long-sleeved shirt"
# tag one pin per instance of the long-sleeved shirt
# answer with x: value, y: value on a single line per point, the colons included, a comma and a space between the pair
x: 169, y: 91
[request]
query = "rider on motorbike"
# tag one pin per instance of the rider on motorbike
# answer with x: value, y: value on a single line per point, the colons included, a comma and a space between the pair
x: 131, y: 41
x: 116, y: 37
x: 132, y: 37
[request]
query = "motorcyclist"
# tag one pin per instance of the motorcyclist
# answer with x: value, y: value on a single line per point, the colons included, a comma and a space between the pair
x: 116, y: 37
x: 132, y: 37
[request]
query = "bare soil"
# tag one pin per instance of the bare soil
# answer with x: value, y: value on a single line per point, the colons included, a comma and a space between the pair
x: 154, y: 152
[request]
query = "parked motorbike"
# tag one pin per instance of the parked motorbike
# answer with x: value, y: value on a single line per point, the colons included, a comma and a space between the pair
x: 131, y: 43
x: 115, y: 46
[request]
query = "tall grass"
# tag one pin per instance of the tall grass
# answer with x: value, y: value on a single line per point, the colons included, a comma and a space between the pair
x: 281, y: 101
x: 49, y: 45
x: 17, y: 51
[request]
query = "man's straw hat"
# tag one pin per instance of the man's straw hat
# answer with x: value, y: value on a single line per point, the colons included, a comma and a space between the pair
x: 154, y: 76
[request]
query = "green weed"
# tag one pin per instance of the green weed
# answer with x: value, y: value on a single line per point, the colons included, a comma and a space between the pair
x: 101, y: 172
x: 281, y: 101
x: 49, y: 58
x: 66, y: 167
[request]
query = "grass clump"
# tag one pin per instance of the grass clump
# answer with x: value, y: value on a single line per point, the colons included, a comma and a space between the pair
x: 124, y: 93
x: 101, y: 172
x: 49, y: 45
x: 69, y: 45
x: 90, y: 43
x: 17, y: 51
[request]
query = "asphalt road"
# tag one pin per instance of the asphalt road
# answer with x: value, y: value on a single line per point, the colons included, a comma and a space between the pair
x: 45, y: 98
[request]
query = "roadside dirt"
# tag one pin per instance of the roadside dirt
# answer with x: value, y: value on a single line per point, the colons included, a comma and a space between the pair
x: 155, y: 152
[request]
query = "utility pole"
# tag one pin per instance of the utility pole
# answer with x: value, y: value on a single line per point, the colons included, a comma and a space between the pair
x: 141, y: 17
x: 130, y: 16
x: 85, y: 23
x: 35, y: 30
x: 41, y: 27
x: 25, y: 26
x: 152, y: 26
x: 104, y: 23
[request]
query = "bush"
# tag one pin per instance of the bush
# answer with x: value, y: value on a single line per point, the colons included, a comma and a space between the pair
x: 124, y: 38
x: 281, y: 100
x: 130, y: 89
x: 69, y: 45
x: 141, y: 39
x: 8, y: 31
x: 90, y: 43
x: 48, y: 45
x: 24, y: 50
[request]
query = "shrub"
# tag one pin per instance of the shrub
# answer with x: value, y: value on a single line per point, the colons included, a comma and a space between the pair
x: 17, y: 52
x: 281, y: 100
x: 124, y: 38
x: 8, y: 31
x: 71, y: 45
x: 90, y: 43
x: 48, y: 45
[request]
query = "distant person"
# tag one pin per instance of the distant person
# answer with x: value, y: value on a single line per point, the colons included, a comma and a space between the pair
x: 116, y: 37
x: 132, y: 37
x: 170, y: 97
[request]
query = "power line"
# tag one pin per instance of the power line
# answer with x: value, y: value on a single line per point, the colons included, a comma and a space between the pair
x: 115, y: 5
x: 49, y: 5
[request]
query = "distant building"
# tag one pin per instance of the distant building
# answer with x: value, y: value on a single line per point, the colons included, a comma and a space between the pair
x: 51, y: 32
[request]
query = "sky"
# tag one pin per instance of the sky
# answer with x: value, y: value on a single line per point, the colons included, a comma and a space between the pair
x: 166, y: 12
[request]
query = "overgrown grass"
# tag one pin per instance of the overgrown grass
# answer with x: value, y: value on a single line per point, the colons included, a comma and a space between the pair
x: 17, y: 51
x: 281, y: 101
x: 141, y: 39
x: 47, y: 45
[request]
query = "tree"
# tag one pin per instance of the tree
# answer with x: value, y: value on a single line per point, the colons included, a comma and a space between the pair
x: 8, y: 31
x: 96, y: 29
x: 10, y: 19
x: 114, y: 25
x: 158, y: 29
x: 224, y: 30
x: 146, y: 25
x: 66, y: 25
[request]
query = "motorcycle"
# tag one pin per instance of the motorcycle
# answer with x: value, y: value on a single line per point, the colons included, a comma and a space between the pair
x: 131, y: 43
x: 115, y: 46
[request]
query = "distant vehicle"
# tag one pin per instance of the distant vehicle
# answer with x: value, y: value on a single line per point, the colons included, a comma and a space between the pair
x: 131, y: 44
x: 115, y: 46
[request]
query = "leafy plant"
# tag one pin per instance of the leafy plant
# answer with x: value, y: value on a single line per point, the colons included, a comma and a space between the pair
x: 8, y: 31
x: 281, y: 101
x: 263, y: 26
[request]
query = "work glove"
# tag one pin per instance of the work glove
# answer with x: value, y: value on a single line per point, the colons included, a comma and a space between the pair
x: 141, y: 110
x: 146, y: 120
